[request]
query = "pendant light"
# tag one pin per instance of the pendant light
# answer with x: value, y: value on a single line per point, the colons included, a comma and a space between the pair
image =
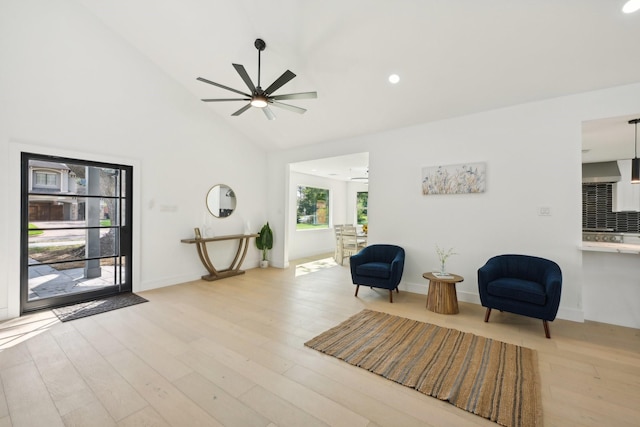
x: 635, y: 163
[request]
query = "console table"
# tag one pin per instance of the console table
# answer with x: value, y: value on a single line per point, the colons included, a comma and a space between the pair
x: 442, y: 297
x: 234, y: 268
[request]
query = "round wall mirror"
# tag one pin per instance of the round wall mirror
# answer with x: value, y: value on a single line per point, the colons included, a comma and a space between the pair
x: 221, y: 201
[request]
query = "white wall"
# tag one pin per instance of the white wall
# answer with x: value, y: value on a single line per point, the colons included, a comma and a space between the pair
x: 533, y: 157
x: 612, y: 288
x: 70, y: 87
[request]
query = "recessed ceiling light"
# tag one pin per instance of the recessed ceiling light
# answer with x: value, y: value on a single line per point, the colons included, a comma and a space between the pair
x: 631, y: 6
x: 394, y: 78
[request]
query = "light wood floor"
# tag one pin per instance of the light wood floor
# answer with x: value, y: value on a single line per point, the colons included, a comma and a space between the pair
x: 231, y: 353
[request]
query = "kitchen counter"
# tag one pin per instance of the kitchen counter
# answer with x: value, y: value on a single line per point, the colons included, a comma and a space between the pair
x: 621, y: 248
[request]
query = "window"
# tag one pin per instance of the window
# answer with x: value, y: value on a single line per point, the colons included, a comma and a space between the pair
x: 313, y: 208
x: 46, y: 179
x: 362, y: 200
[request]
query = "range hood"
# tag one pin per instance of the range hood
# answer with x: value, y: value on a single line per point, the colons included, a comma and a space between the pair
x: 596, y: 173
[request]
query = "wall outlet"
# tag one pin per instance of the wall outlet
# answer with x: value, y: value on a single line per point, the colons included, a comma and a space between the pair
x: 544, y: 211
x: 168, y: 208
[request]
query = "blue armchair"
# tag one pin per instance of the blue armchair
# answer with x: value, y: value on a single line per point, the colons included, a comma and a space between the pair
x: 521, y: 284
x: 378, y: 266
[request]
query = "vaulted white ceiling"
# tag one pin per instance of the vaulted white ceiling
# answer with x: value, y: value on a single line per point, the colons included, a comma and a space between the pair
x: 453, y: 57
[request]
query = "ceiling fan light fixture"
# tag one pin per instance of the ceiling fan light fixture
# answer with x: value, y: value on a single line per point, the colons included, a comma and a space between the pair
x: 259, y: 101
x: 635, y: 163
x: 635, y: 171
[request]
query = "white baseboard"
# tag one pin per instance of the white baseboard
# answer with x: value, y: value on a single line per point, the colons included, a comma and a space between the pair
x: 469, y: 297
x: 166, y: 281
x: 571, y: 314
x: 415, y: 288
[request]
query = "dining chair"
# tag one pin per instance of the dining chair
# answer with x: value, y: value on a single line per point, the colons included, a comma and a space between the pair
x: 337, y: 253
x: 349, y: 242
x: 362, y: 240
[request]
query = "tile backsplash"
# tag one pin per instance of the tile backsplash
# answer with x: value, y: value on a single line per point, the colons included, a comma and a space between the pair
x: 597, y: 210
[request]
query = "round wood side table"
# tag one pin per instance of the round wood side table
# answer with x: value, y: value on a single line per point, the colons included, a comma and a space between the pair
x: 442, y: 297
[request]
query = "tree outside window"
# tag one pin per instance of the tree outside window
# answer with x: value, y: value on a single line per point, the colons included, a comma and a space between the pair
x: 313, y: 208
x: 362, y: 200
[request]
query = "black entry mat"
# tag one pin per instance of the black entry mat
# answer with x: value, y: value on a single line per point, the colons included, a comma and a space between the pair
x: 84, y: 309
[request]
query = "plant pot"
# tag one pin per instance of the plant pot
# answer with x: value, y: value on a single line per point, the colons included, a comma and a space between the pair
x: 264, y: 263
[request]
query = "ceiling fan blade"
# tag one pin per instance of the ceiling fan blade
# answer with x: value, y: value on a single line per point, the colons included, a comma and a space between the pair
x: 242, y: 110
x: 288, y: 107
x: 302, y: 95
x: 280, y: 81
x: 226, y: 99
x: 269, y: 113
x: 245, y: 76
x: 223, y: 86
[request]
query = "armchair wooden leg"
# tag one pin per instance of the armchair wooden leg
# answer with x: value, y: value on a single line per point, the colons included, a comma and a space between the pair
x: 357, y: 287
x: 487, y: 314
x: 546, y: 329
x: 397, y: 290
x: 391, y: 295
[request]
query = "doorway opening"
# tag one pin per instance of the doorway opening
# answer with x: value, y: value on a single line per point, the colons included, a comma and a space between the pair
x: 75, y: 231
x: 344, y: 179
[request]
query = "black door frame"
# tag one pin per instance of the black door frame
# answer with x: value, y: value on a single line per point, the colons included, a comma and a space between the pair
x: 125, y: 247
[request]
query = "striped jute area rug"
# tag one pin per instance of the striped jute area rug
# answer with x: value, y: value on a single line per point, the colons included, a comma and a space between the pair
x: 489, y: 378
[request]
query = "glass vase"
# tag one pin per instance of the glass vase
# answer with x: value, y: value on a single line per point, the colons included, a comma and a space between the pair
x: 443, y: 268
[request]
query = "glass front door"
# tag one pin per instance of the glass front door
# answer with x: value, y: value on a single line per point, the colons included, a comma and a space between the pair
x: 75, y: 230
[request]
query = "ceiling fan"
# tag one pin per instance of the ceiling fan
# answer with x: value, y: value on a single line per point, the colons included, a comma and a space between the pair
x: 262, y: 98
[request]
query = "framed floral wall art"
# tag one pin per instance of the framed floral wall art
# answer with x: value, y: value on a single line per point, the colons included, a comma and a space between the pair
x: 454, y: 179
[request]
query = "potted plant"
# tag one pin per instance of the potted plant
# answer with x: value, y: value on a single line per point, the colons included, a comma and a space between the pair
x: 264, y: 242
